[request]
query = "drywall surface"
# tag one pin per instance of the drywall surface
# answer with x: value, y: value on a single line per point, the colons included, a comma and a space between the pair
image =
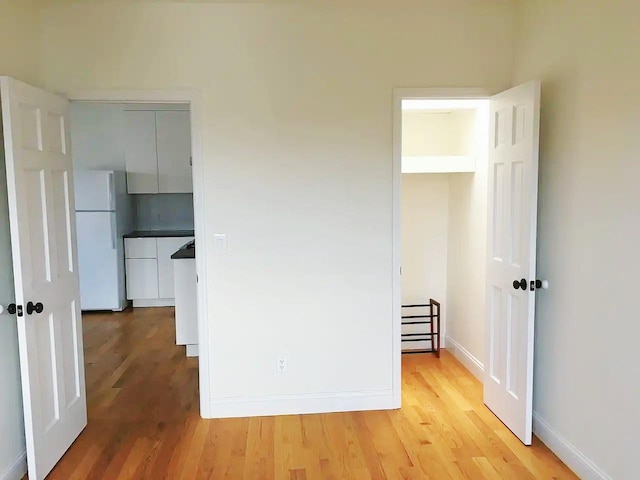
x: 426, y: 132
x: 425, y: 225
x: 12, y: 444
x: 586, y: 382
x: 20, y: 57
x: 297, y: 145
x: 467, y: 245
x: 20, y: 40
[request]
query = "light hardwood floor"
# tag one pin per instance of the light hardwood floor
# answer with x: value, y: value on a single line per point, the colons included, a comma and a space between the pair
x: 144, y: 423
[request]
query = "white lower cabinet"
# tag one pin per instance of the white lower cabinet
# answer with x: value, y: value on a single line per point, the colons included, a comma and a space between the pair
x: 186, y: 305
x: 149, y: 270
x: 142, y: 278
x: 166, y: 248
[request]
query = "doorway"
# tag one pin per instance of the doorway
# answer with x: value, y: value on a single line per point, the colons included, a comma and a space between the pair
x: 42, y: 218
x: 504, y: 187
x: 444, y: 202
x: 177, y: 100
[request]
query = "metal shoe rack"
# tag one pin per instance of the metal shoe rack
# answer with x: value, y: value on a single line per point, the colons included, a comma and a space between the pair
x: 427, y: 314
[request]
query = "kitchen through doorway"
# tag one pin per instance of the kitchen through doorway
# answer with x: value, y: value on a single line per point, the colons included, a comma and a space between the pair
x: 140, y: 156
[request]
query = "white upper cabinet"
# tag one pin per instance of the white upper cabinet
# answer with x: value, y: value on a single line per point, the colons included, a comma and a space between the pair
x: 141, y: 152
x: 174, y: 152
x: 158, y: 151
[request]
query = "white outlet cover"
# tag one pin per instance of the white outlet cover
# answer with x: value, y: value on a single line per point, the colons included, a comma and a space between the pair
x: 281, y: 364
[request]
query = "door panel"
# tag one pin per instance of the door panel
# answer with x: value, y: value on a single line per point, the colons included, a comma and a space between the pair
x: 62, y: 213
x: 511, y: 255
x: 43, y: 242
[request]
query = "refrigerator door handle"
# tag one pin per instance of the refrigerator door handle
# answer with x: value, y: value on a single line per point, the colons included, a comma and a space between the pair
x: 114, y: 231
x: 110, y: 188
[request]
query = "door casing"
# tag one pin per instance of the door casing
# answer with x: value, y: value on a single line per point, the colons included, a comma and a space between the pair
x: 400, y: 94
x: 194, y: 99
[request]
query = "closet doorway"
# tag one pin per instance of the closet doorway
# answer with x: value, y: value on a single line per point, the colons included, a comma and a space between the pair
x: 444, y: 223
x: 464, y: 228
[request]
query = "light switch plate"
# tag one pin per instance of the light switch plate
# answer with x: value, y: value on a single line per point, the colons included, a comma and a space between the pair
x: 220, y: 242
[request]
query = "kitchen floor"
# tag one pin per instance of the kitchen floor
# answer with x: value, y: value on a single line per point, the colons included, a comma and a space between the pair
x: 144, y: 423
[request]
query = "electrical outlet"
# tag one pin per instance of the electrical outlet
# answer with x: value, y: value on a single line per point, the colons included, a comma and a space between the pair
x: 281, y: 364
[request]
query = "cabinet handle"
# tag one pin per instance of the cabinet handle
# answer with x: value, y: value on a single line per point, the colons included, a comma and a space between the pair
x: 191, y: 161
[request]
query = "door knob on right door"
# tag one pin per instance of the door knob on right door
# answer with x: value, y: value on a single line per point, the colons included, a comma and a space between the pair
x: 537, y: 284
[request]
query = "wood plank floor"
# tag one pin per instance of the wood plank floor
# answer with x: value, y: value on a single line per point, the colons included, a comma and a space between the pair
x: 144, y: 423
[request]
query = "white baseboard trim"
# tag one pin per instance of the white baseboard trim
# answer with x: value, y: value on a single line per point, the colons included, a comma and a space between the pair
x: 465, y: 357
x: 263, y: 406
x: 163, y: 302
x: 192, y: 350
x: 567, y: 451
x: 560, y: 446
x: 17, y: 469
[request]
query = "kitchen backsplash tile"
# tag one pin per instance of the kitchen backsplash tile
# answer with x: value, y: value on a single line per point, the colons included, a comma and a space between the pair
x: 165, y: 211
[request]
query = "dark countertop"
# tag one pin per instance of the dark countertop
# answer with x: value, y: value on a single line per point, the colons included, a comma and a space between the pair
x: 159, y: 233
x: 188, y: 250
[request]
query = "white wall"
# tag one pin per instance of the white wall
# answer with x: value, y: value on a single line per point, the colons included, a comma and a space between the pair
x: 466, y: 277
x: 20, y: 58
x: 425, y: 225
x: 587, y: 385
x: 20, y: 40
x: 11, y: 423
x: 297, y: 146
x: 426, y: 132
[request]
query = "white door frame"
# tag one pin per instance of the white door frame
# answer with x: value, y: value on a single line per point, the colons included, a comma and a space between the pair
x: 400, y: 94
x: 194, y: 99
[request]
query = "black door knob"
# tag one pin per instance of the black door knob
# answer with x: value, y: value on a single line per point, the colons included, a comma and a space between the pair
x: 37, y: 308
x: 516, y: 284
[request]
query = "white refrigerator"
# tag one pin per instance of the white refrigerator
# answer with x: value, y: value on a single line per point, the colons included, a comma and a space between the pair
x: 104, y: 214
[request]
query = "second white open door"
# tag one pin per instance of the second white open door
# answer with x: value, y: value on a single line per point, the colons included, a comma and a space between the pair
x: 43, y: 241
x: 511, y: 256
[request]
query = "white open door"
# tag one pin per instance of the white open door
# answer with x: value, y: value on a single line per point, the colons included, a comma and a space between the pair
x: 43, y: 240
x: 512, y: 219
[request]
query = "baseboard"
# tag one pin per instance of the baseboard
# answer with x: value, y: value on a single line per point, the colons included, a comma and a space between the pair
x: 17, y: 469
x: 163, y: 302
x: 567, y: 451
x: 560, y: 446
x: 192, y: 350
x: 263, y: 406
x: 465, y: 357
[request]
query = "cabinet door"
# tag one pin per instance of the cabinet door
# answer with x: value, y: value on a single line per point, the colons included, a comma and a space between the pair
x: 173, y: 130
x: 142, y: 279
x: 140, y: 248
x: 140, y: 152
x: 166, y: 248
x: 186, y: 301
